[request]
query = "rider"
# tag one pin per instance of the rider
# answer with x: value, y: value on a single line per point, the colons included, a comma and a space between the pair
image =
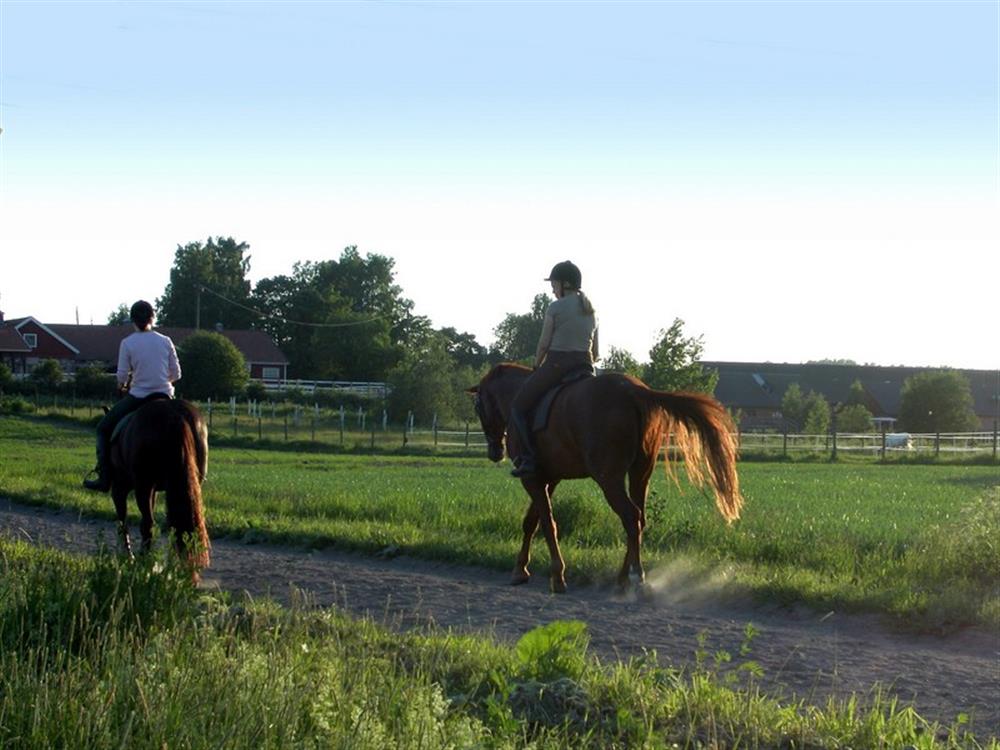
x: 147, y: 358
x: 568, y: 342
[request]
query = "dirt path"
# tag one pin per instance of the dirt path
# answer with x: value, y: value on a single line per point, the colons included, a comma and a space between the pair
x: 806, y: 654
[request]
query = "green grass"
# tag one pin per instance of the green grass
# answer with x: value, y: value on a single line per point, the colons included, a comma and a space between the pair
x: 104, y: 653
x: 914, y: 541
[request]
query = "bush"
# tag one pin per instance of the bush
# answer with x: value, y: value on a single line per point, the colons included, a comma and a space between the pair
x: 93, y: 382
x: 47, y: 375
x: 211, y: 367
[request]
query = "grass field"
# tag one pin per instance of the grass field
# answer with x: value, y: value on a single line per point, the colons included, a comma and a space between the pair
x: 915, y: 541
x: 100, y: 653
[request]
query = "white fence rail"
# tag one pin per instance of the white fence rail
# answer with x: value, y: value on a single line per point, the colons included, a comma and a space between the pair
x: 357, y: 388
x: 870, y: 442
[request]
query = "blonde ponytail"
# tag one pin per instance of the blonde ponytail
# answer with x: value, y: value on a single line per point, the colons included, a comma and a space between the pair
x: 585, y: 304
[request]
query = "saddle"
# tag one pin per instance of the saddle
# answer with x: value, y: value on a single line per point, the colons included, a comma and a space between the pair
x: 540, y: 415
x: 128, y: 417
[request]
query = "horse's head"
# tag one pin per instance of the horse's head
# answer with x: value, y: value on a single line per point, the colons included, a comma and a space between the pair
x: 491, y: 419
x: 491, y: 398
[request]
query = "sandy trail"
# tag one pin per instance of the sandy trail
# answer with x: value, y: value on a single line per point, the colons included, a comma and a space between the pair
x: 803, y: 653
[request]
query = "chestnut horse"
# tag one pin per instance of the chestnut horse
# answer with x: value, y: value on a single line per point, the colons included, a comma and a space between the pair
x: 163, y: 446
x: 609, y: 428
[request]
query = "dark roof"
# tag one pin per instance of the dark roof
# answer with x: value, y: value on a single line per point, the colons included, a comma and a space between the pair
x: 101, y: 342
x: 11, y: 341
x: 256, y: 346
x: 762, y: 385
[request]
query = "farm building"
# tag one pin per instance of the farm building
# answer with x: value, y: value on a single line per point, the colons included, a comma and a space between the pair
x: 757, y: 388
x: 24, y: 342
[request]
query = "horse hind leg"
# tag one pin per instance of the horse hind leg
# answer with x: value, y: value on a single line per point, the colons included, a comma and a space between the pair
x: 119, y: 493
x: 631, y: 518
x: 145, y: 498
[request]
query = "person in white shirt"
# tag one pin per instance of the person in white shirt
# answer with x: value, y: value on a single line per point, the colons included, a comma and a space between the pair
x: 147, y: 365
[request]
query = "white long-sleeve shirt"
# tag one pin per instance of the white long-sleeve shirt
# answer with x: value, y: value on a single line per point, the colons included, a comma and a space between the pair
x: 152, y: 360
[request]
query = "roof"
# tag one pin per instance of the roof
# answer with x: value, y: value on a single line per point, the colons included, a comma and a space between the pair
x: 11, y: 341
x: 762, y: 385
x: 96, y: 342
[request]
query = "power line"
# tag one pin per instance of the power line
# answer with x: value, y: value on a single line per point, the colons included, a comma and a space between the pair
x: 281, y: 319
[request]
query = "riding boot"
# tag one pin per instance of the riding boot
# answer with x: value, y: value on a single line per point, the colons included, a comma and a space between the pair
x: 525, y: 465
x: 103, y: 469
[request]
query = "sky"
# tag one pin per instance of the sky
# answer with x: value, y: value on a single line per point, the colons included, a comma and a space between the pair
x: 795, y: 180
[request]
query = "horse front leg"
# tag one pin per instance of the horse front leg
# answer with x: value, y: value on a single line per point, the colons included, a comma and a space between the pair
x: 542, y: 504
x: 119, y: 493
x: 529, y: 527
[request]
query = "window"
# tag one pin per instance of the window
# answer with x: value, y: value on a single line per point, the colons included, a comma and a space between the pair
x: 271, y: 373
x: 31, y: 339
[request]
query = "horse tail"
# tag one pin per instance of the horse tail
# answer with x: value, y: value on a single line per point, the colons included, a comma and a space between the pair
x: 703, y: 432
x: 185, y: 512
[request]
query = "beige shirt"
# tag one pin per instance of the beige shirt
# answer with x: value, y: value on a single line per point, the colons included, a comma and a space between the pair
x: 568, y: 329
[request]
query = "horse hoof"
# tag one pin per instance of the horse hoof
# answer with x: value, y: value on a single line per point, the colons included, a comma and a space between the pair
x: 519, y: 579
x: 558, y: 587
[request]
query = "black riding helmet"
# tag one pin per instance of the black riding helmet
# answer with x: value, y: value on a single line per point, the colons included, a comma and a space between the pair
x: 141, y: 313
x: 566, y: 272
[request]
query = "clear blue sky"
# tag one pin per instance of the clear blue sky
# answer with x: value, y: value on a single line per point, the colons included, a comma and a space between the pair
x: 795, y: 180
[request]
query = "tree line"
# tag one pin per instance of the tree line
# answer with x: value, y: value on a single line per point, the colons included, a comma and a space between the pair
x: 346, y: 318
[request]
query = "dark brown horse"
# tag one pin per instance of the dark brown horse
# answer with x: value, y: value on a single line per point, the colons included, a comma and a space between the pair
x: 611, y: 428
x: 164, y: 446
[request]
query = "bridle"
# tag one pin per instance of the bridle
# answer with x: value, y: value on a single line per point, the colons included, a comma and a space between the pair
x: 493, y: 440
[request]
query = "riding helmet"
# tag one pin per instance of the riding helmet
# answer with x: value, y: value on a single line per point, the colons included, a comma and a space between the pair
x: 566, y: 272
x: 141, y: 313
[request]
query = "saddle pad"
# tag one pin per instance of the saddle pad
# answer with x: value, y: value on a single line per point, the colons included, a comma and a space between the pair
x: 540, y: 417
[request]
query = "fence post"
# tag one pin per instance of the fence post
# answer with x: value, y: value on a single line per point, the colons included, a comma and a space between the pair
x: 434, y: 429
x: 286, y: 426
x: 883, y: 442
x: 341, y: 425
x: 995, y: 432
x: 784, y: 444
x: 373, y: 435
x: 937, y: 444
x: 313, y: 421
x: 260, y: 428
x: 466, y: 434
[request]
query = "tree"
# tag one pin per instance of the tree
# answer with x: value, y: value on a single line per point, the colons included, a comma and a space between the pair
x: 6, y: 377
x: 220, y: 266
x: 464, y: 349
x: 817, y: 415
x: 211, y: 366
x: 92, y: 381
x: 120, y: 316
x: 854, y: 418
x: 619, y: 360
x: 428, y: 381
x: 341, y: 319
x: 516, y: 338
x: 937, y: 401
x: 793, y: 408
x: 47, y: 375
x: 673, y: 363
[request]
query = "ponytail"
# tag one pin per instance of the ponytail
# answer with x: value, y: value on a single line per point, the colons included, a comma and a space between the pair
x: 585, y: 304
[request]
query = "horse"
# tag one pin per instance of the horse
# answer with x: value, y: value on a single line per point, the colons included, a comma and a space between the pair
x: 609, y: 428
x: 163, y: 446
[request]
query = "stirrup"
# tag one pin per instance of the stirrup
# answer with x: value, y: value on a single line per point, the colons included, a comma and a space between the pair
x: 100, y: 483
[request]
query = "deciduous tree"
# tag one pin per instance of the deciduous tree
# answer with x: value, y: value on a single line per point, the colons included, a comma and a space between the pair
x: 937, y: 401
x: 211, y: 367
x: 673, y: 363
x: 219, y: 264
